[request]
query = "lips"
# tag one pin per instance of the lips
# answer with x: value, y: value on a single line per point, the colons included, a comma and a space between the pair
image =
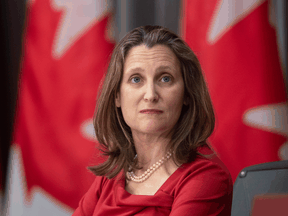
x: 151, y: 111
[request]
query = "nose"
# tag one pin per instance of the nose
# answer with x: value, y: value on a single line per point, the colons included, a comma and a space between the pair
x: 150, y: 94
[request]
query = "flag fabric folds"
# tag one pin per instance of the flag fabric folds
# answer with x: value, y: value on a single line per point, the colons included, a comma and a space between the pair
x: 66, y: 52
x: 235, y: 42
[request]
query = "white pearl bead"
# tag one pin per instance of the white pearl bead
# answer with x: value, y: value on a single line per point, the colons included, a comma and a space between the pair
x: 131, y: 175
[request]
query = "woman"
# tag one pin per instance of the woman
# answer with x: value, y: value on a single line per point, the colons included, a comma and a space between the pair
x: 152, y: 116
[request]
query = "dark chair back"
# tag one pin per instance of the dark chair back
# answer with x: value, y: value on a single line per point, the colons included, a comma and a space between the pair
x: 266, y: 178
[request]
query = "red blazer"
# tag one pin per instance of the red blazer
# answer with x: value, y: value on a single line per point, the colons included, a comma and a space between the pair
x: 201, y: 187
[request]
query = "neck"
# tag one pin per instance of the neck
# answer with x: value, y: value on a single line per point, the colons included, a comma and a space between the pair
x: 150, y: 149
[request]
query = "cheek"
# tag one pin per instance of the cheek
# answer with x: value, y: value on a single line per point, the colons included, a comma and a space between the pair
x: 129, y: 100
x: 128, y: 106
x: 176, y: 99
x: 175, y: 108
x: 127, y: 114
x: 125, y: 96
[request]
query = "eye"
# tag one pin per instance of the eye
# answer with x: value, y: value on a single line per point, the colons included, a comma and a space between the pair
x: 166, y: 79
x: 135, y: 79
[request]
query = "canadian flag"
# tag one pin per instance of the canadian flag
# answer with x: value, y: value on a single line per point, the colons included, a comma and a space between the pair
x: 66, y: 52
x: 235, y: 42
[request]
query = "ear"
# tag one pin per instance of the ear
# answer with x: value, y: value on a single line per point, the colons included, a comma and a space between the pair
x: 117, y: 100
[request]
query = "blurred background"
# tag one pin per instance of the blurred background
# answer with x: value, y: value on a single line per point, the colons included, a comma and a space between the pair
x: 54, y: 54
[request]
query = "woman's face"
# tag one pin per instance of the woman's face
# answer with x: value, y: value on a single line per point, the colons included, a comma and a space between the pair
x: 152, y: 90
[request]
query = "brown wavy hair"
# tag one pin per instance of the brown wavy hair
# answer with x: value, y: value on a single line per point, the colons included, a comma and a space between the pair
x: 195, y: 124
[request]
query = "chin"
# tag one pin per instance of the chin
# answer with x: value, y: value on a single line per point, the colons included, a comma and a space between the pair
x: 154, y: 129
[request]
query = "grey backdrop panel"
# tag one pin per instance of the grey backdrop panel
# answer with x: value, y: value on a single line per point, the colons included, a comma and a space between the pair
x: 130, y: 14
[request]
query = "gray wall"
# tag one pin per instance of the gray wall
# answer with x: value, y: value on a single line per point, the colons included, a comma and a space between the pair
x: 130, y: 14
x: 280, y: 7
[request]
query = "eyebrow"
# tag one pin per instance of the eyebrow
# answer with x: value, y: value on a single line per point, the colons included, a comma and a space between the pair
x: 165, y: 68
x: 139, y: 69
x: 135, y: 70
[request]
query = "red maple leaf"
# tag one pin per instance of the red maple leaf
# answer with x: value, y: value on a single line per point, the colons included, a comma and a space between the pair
x: 242, y: 70
x: 56, y: 96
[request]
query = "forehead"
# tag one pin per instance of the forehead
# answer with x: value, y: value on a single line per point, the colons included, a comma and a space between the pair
x: 157, y: 56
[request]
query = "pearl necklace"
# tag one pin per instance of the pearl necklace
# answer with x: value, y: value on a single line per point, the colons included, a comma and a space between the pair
x: 131, y: 175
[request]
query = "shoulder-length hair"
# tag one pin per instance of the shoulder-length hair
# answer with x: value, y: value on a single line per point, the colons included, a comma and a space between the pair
x: 195, y: 124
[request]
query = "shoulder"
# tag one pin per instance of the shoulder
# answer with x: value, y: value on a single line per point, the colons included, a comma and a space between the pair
x: 203, y: 187
x: 89, y: 200
x: 205, y: 166
x: 98, y: 183
x: 206, y: 174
